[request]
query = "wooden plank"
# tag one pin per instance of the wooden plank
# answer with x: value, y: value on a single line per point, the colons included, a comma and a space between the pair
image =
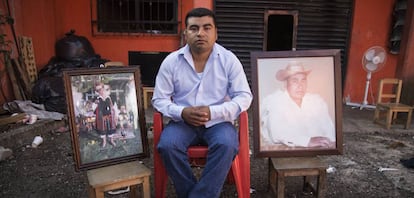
x: 107, y: 175
x: 12, y: 119
x: 23, y: 79
x: 290, y: 163
x: 15, y: 85
x: 28, y: 57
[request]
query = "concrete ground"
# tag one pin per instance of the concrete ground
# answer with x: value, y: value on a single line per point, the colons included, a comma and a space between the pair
x: 48, y: 171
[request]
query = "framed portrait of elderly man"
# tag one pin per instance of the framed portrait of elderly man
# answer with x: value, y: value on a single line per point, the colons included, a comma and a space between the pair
x: 297, y: 108
x: 106, y: 116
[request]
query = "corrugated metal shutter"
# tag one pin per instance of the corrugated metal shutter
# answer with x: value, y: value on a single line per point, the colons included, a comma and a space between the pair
x: 322, y: 24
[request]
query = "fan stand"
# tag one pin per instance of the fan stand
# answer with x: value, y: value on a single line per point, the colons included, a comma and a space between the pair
x: 365, y: 101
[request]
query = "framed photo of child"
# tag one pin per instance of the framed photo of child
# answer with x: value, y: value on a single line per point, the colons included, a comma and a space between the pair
x: 106, y: 116
x: 297, y: 104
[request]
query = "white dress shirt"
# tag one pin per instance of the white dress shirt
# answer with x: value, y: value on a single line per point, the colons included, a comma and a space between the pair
x: 283, y: 121
x: 222, y: 85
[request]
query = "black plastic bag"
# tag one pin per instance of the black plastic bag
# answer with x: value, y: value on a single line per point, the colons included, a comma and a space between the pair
x: 50, y: 91
x: 72, y: 51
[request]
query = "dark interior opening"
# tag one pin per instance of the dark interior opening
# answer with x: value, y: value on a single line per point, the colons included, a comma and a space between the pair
x: 149, y: 63
x: 280, y: 32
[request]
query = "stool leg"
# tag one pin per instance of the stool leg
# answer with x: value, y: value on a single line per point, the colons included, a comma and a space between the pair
x: 133, y: 191
x: 272, y: 181
x: 99, y: 193
x: 146, y: 187
x: 307, y: 186
x: 321, y: 184
x: 389, y: 119
x: 376, y: 114
x: 272, y: 177
x: 280, y: 185
x: 407, y: 124
x: 91, y: 192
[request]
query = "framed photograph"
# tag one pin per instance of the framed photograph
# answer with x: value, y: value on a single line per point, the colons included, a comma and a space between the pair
x: 106, y: 116
x: 297, y: 108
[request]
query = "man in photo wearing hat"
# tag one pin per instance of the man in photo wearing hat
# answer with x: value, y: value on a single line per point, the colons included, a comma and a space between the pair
x: 293, y: 117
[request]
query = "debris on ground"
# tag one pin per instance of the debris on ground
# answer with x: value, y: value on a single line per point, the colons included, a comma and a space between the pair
x: 5, y: 153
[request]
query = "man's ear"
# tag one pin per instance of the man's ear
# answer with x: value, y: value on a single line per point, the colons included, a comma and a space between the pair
x: 183, y: 38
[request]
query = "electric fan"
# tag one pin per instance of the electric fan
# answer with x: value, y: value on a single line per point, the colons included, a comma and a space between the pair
x: 372, y: 61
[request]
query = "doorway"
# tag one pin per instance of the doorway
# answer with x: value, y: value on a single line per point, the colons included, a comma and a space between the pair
x: 280, y: 30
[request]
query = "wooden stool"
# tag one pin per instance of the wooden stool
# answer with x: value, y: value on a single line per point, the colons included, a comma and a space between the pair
x: 119, y: 176
x: 147, y: 91
x: 279, y: 168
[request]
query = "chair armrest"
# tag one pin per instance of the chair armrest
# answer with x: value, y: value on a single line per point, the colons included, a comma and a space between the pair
x: 160, y: 174
x: 243, y: 157
x: 157, y: 126
x: 244, y: 134
x: 244, y: 125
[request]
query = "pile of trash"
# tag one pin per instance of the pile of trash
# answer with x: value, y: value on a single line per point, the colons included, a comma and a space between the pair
x: 48, y: 99
x: 72, y: 51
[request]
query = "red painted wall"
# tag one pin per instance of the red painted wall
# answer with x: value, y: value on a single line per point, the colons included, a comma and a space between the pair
x: 371, y: 26
x: 46, y: 21
x: 37, y: 19
x: 114, y: 48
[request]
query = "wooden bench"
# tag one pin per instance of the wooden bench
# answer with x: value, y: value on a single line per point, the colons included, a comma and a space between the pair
x: 280, y: 168
x: 119, y: 176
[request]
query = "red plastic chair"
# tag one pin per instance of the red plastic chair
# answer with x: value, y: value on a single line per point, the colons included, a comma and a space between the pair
x: 239, y: 173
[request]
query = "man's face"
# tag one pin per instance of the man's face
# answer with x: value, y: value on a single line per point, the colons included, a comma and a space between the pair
x: 296, y: 86
x: 201, y: 34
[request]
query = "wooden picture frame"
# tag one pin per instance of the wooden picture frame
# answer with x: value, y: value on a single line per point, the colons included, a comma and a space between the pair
x: 106, y: 116
x: 297, y: 108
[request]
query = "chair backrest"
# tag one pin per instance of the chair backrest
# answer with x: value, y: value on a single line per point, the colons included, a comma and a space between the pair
x: 389, y: 90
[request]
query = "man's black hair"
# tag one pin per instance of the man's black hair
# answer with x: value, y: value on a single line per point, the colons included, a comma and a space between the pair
x: 200, y: 12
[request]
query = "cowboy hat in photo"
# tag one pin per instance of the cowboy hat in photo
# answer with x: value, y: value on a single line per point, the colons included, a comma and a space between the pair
x: 292, y: 68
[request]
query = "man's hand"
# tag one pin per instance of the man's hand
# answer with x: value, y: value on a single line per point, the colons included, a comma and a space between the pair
x: 196, y: 116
